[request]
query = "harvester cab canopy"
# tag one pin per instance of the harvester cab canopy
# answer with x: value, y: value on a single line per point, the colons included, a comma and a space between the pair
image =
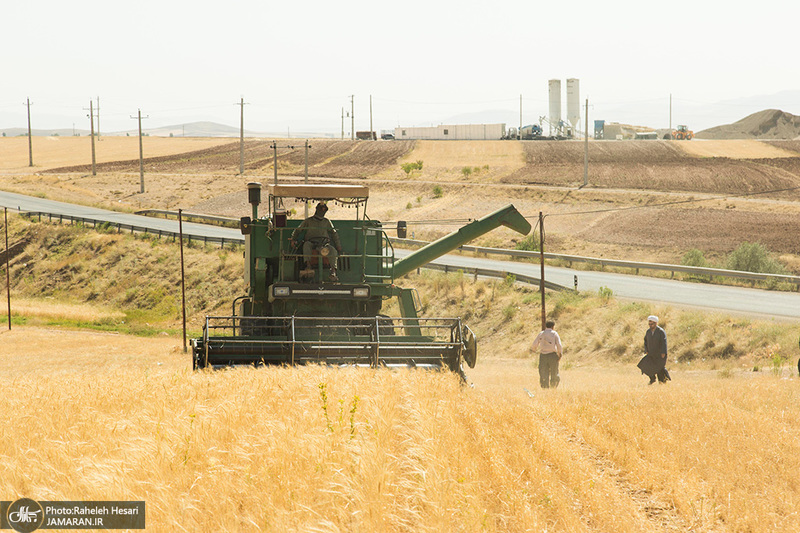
x: 345, y: 195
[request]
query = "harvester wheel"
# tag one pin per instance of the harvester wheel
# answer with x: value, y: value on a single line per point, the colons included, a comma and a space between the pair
x: 198, y: 359
x: 470, y: 347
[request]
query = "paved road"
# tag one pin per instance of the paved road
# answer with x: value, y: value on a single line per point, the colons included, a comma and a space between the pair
x: 29, y: 203
x: 753, y: 302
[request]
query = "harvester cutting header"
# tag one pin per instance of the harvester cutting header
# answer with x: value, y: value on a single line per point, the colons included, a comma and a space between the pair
x: 315, y: 289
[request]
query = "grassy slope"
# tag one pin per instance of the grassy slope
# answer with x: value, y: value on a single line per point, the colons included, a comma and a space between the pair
x: 138, y: 278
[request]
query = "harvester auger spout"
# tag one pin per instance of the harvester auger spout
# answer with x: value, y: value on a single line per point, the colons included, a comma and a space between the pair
x: 315, y: 289
x: 507, y: 216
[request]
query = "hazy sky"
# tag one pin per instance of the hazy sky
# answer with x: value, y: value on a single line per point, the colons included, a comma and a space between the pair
x: 296, y: 63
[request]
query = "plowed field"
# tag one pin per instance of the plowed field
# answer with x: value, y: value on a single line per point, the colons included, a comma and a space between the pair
x: 711, y: 195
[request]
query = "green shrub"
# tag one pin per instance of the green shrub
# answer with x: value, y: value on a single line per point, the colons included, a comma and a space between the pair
x: 777, y: 364
x: 753, y: 257
x: 408, y: 168
x: 529, y: 243
x: 466, y: 171
x: 694, y: 258
x: 437, y: 192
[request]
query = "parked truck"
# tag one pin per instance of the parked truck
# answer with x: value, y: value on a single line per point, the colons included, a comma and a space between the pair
x: 366, y: 136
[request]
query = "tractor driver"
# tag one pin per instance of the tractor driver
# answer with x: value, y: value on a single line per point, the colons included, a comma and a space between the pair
x: 319, y: 234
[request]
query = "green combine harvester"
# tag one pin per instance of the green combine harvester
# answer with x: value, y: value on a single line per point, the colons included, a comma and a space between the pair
x: 306, y: 305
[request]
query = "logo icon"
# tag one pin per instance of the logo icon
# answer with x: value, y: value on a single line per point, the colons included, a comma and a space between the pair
x: 25, y: 515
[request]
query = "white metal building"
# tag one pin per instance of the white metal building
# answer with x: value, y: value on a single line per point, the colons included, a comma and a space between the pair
x: 461, y: 132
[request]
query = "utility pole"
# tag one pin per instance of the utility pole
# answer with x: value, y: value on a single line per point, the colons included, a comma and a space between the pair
x: 275, y: 160
x: 519, y: 132
x: 586, y: 146
x: 274, y: 147
x: 141, y: 154
x: 91, y: 133
x: 352, y: 119
x: 306, y: 178
x: 342, y: 123
x: 241, y: 136
x: 670, y: 114
x: 183, y: 279
x: 30, y: 141
x: 541, y: 261
x: 370, y: 117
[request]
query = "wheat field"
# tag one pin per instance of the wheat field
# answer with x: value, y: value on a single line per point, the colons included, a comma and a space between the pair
x: 50, y: 152
x: 96, y: 416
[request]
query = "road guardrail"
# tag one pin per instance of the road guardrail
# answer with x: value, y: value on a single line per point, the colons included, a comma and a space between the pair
x: 133, y: 228
x: 635, y: 265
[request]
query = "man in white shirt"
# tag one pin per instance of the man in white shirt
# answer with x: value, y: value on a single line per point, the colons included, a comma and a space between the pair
x: 549, y: 344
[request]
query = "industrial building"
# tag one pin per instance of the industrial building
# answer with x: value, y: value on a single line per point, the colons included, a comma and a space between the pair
x: 559, y: 127
x: 459, y: 132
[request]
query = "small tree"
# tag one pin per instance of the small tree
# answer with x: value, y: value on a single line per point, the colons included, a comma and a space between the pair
x: 529, y: 243
x: 694, y: 258
x: 408, y: 168
x: 753, y: 257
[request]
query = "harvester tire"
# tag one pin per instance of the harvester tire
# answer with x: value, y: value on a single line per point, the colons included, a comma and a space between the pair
x: 470, y: 347
x: 198, y: 362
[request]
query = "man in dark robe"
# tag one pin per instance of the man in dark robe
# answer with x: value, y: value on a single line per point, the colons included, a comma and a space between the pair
x: 653, y: 364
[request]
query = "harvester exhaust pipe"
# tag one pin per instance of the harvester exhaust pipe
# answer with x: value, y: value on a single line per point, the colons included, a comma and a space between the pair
x: 254, y: 196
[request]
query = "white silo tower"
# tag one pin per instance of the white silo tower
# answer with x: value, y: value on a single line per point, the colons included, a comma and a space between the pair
x: 573, y: 103
x: 555, y: 105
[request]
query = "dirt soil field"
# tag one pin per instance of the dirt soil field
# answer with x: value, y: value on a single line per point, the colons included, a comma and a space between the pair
x: 698, y: 194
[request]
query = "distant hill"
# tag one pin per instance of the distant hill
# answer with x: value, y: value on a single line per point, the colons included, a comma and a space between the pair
x: 191, y: 129
x: 767, y: 124
x: 23, y: 132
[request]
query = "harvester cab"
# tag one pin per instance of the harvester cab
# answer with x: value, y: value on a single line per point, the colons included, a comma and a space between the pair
x: 295, y: 312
